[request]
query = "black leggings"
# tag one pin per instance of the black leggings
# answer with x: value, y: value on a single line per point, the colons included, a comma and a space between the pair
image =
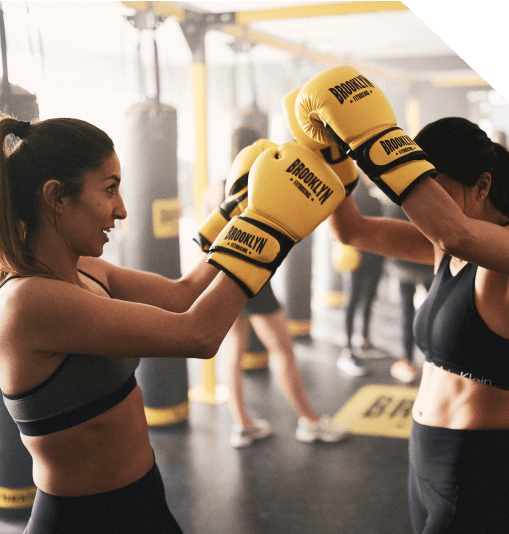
x: 138, y: 508
x: 458, y: 481
x: 364, y: 283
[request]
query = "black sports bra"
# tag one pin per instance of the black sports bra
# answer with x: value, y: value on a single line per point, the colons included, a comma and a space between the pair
x: 451, y: 333
x: 82, y: 387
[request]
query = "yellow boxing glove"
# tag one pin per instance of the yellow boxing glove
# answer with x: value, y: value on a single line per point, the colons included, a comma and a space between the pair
x: 333, y: 154
x: 235, y: 193
x: 291, y: 191
x: 342, y: 104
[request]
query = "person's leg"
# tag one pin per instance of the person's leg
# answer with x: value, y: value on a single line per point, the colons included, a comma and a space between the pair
x: 244, y: 429
x: 404, y: 369
x: 407, y: 292
x: 272, y: 331
x: 235, y: 345
x: 373, y: 274
x: 347, y: 361
x: 356, y: 282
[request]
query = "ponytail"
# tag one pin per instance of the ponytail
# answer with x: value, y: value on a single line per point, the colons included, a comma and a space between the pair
x: 12, y: 231
x: 60, y: 149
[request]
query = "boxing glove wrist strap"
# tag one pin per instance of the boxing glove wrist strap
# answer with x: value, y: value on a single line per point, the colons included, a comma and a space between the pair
x: 211, y: 228
x: 385, y: 151
x: 329, y: 156
x: 249, y: 252
x: 218, y: 219
x: 253, y: 241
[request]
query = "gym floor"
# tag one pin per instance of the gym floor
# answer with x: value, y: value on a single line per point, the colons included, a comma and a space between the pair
x: 279, y: 485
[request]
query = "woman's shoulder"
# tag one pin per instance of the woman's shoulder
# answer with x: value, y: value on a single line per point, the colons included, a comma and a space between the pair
x: 94, y: 265
x: 96, y: 268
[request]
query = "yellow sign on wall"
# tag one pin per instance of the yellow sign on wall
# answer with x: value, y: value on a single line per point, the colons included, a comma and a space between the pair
x: 165, y: 217
x: 379, y: 410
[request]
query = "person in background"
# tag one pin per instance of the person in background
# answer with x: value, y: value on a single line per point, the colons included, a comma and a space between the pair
x: 364, y: 281
x: 265, y: 315
x: 409, y: 275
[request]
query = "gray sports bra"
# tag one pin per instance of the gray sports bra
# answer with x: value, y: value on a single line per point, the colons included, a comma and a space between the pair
x: 82, y: 387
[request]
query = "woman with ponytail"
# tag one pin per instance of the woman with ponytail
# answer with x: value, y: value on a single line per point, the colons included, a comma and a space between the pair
x: 73, y: 328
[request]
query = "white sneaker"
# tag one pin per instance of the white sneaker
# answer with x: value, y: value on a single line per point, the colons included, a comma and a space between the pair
x: 324, y: 430
x: 404, y: 371
x: 240, y: 437
x: 349, y: 364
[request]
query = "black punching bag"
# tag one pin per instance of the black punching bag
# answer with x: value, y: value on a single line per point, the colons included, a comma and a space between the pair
x: 151, y: 240
x: 17, y: 489
x: 257, y: 121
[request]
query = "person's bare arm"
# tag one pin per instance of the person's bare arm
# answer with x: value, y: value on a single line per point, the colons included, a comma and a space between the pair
x: 149, y: 288
x: 379, y: 235
x: 47, y: 315
x: 441, y: 220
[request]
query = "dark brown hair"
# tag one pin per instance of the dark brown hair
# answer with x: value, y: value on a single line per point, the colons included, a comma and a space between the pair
x: 463, y: 151
x: 53, y: 149
x: 499, y: 191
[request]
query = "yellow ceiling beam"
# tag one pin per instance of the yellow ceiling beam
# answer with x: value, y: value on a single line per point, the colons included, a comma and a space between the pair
x: 242, y: 33
x: 161, y: 9
x: 316, y: 10
x: 458, y: 81
x: 242, y: 18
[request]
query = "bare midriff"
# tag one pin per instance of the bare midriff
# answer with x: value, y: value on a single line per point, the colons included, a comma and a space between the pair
x: 451, y: 401
x: 105, y: 453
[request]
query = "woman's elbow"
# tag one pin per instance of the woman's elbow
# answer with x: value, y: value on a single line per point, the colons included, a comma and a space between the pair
x: 204, y: 347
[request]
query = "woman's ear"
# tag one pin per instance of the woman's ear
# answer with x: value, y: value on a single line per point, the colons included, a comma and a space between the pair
x: 52, y: 195
x: 483, y: 186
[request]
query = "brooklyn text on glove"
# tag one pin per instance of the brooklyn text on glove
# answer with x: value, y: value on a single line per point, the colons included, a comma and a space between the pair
x: 344, y: 90
x: 321, y: 191
x: 398, y: 142
x: 251, y: 241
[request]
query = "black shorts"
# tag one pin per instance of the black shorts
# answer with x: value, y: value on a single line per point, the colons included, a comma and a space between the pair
x: 138, y: 508
x: 458, y: 480
x: 264, y: 303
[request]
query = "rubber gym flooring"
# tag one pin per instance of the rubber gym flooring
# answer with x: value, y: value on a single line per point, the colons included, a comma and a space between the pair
x: 279, y: 485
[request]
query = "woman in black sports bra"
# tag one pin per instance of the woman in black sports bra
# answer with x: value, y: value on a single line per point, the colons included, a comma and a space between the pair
x: 73, y: 328
x: 459, y: 444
